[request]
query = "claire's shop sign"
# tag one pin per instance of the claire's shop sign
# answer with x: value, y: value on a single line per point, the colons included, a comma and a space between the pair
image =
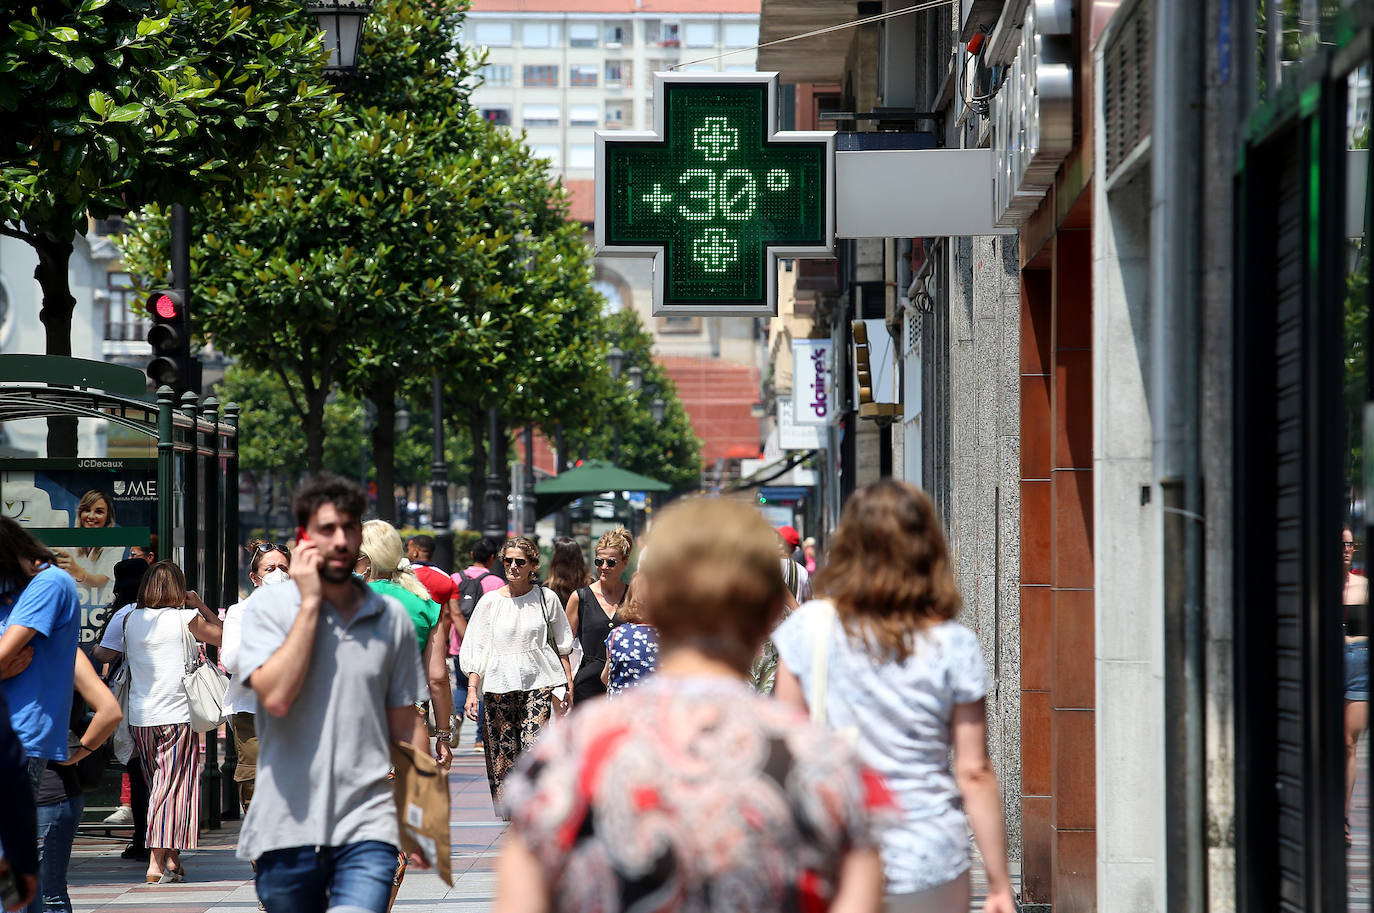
x: 813, y: 388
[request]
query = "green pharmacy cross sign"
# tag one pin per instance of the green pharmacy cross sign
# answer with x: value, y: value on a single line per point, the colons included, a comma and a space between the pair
x: 715, y: 195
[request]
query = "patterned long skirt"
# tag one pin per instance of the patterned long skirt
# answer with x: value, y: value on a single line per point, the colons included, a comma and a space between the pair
x: 513, y: 723
x: 171, y: 767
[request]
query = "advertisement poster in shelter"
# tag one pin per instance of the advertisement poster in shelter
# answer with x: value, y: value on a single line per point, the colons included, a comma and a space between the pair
x: 90, y: 512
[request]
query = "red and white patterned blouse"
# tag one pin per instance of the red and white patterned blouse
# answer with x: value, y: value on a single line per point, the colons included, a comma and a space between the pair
x: 693, y: 795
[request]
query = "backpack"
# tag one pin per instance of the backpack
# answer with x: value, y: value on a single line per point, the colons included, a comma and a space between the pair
x: 470, y: 591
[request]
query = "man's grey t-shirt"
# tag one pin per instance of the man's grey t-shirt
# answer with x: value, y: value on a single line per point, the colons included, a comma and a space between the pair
x: 322, y: 767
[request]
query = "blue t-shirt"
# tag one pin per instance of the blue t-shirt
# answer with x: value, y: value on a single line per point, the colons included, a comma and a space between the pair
x: 40, y: 697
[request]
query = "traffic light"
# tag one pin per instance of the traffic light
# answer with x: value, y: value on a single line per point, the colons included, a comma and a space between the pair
x: 170, y: 338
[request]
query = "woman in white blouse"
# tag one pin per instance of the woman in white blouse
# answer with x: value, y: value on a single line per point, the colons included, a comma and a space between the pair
x: 159, y: 714
x: 516, y: 653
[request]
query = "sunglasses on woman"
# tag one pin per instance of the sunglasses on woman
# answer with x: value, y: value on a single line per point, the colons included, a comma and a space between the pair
x: 607, y: 562
x: 517, y: 562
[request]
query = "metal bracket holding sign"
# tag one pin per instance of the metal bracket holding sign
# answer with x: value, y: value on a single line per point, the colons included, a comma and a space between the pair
x: 715, y: 194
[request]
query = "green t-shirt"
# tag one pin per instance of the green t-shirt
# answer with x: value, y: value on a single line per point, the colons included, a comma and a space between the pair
x: 424, y: 612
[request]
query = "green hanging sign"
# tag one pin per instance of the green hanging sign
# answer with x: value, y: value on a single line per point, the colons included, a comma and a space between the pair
x: 715, y: 194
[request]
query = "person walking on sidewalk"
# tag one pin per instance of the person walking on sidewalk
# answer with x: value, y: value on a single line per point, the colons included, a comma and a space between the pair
x: 60, y: 798
x: 473, y: 582
x: 160, y: 713
x: 388, y: 572
x: 40, y: 618
x: 690, y: 793
x: 268, y: 566
x: 592, y: 610
x: 880, y: 659
x: 336, y: 671
x: 516, y: 654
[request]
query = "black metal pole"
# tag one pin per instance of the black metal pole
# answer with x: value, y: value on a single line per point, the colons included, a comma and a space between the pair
x: 438, y: 487
x: 495, y: 523
x: 527, y: 512
x: 181, y: 277
x: 562, y: 521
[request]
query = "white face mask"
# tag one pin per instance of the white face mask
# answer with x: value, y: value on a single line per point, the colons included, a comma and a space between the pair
x: 275, y: 576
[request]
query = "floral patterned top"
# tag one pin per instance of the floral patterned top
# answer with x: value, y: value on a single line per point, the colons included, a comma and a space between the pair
x: 632, y: 654
x: 628, y: 806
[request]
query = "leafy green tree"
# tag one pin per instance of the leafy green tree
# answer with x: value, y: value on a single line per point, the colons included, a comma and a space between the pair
x: 668, y: 450
x: 109, y: 104
x: 356, y: 241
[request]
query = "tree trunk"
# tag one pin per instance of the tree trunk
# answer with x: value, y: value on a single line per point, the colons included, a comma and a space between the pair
x: 477, y: 477
x: 383, y: 396
x: 58, y: 305
x: 314, y: 429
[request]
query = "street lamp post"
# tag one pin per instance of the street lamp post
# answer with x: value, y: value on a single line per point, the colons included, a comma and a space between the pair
x: 528, y: 508
x: 494, y: 522
x: 438, y: 485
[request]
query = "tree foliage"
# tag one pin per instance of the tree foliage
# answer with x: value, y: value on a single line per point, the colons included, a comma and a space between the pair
x: 109, y: 104
x: 668, y: 450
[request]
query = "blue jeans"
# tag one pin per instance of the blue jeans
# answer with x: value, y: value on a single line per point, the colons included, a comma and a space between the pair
x: 354, y: 878
x: 56, y: 830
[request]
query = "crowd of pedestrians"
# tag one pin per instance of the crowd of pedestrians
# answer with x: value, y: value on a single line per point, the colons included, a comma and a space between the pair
x: 757, y: 726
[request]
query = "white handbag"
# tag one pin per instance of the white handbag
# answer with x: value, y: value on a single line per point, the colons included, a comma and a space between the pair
x: 820, y: 671
x: 204, y: 684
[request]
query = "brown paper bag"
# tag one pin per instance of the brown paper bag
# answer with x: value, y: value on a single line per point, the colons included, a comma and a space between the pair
x: 422, y: 807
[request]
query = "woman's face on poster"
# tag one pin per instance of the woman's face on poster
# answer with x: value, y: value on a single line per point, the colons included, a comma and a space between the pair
x: 95, y: 515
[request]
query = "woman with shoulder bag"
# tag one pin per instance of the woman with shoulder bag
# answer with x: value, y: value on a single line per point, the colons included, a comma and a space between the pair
x: 160, y: 712
x: 880, y: 659
x: 516, y: 654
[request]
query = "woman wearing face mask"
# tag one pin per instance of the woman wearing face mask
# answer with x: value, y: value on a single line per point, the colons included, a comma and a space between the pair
x: 268, y: 566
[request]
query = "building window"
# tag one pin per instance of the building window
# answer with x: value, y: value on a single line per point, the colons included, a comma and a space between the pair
x: 615, y: 117
x: 124, y: 321
x: 492, y: 34
x: 617, y: 36
x: 539, y: 34
x: 583, y: 115
x: 495, y: 74
x: 542, y: 75
x: 741, y: 34
x: 618, y: 72
x: 581, y: 157
x: 550, y: 152
x: 699, y: 34
x: 498, y: 116
x: 540, y: 115
x: 669, y: 35
x: 582, y: 34
x: 582, y: 74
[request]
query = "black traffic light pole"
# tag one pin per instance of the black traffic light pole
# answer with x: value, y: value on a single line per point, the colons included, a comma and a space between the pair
x: 181, y: 282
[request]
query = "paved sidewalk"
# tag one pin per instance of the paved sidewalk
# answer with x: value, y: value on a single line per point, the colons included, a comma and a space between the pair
x: 100, y: 880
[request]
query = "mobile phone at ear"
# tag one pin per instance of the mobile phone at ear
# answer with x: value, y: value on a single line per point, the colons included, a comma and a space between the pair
x: 300, y: 534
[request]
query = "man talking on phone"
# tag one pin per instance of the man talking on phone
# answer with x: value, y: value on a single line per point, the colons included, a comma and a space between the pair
x: 337, y: 674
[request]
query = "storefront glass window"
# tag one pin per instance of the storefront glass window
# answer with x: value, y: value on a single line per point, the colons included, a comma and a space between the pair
x: 1289, y: 32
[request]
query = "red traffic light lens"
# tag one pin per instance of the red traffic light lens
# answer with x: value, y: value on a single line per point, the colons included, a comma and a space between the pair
x: 165, y: 306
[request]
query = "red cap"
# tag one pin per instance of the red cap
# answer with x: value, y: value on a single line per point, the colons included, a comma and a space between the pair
x: 790, y: 536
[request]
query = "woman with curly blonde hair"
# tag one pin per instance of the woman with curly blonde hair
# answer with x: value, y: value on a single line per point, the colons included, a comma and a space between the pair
x: 880, y: 658
x: 383, y: 564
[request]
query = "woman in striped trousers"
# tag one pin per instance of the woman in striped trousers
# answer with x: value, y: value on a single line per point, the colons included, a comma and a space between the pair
x: 159, y: 715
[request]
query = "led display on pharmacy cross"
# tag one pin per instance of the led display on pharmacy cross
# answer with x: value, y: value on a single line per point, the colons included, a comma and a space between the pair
x: 715, y: 194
